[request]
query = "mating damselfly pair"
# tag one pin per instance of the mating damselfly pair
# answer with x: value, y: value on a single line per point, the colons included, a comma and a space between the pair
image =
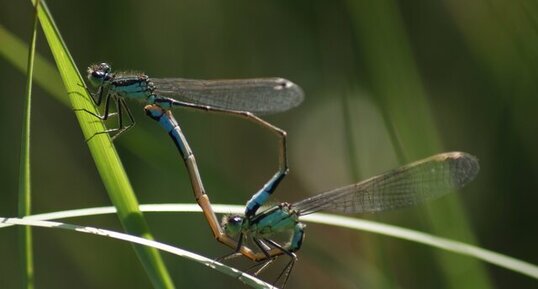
x: 405, y: 186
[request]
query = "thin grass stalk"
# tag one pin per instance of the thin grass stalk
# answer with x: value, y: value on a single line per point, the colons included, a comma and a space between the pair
x: 25, y: 182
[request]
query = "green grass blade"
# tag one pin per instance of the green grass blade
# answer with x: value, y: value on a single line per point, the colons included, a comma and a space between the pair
x: 25, y: 197
x: 106, y: 158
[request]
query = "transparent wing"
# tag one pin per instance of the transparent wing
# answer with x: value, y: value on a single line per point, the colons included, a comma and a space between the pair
x: 405, y: 186
x: 257, y: 95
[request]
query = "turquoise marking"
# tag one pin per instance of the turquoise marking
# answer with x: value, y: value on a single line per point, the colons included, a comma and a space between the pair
x: 279, y: 220
x: 134, y: 87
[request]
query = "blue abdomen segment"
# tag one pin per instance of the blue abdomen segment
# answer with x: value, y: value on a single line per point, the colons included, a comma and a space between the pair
x: 171, y: 126
x: 262, y: 195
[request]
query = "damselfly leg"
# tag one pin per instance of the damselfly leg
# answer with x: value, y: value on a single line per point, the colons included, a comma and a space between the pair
x: 121, y: 107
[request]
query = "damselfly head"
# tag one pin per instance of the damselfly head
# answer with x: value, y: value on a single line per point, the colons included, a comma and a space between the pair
x: 97, y: 73
x: 232, y: 224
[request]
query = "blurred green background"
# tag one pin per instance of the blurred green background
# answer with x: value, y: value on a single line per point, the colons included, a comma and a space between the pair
x: 386, y: 82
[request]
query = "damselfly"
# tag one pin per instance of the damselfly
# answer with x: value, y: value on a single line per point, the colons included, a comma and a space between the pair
x: 257, y: 96
x: 244, y: 98
x: 402, y: 187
